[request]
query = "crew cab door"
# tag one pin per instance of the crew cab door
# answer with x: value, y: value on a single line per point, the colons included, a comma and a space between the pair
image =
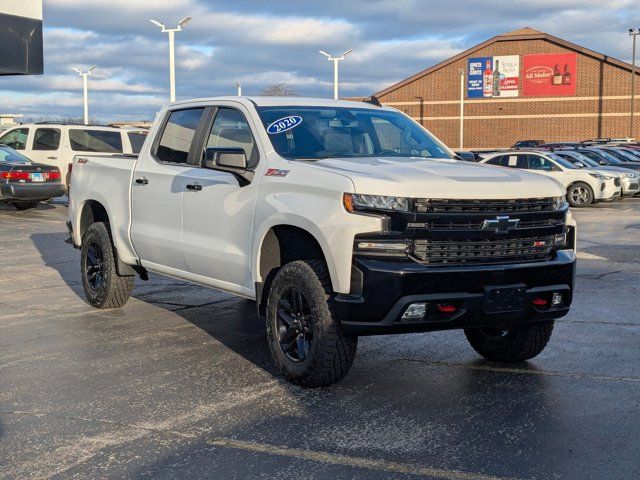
x: 46, y: 147
x: 218, y: 206
x: 157, y: 191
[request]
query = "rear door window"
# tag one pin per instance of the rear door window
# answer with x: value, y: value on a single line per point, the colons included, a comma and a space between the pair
x: 178, y: 135
x: 46, y: 139
x: 137, y: 140
x: 102, y: 141
x: 16, y: 139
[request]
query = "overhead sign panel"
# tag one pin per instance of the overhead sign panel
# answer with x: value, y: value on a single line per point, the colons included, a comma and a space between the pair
x: 549, y: 74
x: 21, y: 37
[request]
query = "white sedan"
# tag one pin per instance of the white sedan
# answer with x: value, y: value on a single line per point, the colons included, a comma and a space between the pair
x: 584, y: 185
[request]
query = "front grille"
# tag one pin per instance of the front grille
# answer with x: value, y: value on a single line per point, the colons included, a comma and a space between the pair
x: 440, y: 225
x: 633, y: 186
x: 424, y: 205
x: 483, y: 251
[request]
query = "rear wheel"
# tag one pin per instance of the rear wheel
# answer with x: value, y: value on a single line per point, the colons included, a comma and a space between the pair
x: 24, y: 205
x: 579, y: 195
x: 103, y: 287
x: 510, y: 343
x: 305, y: 337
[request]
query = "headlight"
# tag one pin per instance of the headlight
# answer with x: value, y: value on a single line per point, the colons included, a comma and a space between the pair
x: 358, y: 201
x: 559, y: 203
x: 600, y: 177
x: 629, y: 175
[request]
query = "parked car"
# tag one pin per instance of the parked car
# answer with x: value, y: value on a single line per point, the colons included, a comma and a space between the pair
x: 527, y: 143
x: 610, y: 158
x: 339, y: 218
x: 628, y: 178
x: 620, y: 154
x: 583, y: 186
x: 466, y: 155
x: 23, y: 183
x: 554, y: 145
x: 56, y: 144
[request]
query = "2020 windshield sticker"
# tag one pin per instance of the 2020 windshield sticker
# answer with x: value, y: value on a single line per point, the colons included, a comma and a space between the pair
x: 283, y: 124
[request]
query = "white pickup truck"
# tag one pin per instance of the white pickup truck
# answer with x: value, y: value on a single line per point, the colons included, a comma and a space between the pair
x: 338, y: 218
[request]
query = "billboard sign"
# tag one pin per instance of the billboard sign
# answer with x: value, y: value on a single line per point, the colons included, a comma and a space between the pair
x: 549, y: 74
x: 491, y: 77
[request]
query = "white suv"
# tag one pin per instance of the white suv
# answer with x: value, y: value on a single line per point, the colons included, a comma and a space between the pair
x: 584, y: 185
x: 56, y: 144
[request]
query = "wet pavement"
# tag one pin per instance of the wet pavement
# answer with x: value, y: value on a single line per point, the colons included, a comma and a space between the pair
x: 179, y: 382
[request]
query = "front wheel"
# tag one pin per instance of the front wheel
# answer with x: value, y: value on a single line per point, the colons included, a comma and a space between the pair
x: 305, y: 337
x: 580, y: 195
x: 510, y: 343
x: 103, y: 287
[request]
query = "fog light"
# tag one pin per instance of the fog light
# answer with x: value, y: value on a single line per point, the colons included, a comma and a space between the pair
x: 414, y: 311
x: 556, y: 299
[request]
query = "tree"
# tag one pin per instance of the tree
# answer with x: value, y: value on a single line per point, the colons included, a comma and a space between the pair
x: 279, y: 90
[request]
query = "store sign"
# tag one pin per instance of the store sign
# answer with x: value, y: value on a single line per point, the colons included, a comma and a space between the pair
x: 491, y: 77
x: 549, y: 74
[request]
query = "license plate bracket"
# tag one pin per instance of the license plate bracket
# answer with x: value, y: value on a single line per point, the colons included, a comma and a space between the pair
x: 504, y: 299
x: 37, y: 177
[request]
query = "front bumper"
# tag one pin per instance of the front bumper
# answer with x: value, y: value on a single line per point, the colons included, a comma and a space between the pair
x: 608, y: 191
x: 30, y: 191
x: 630, y: 186
x: 388, y: 288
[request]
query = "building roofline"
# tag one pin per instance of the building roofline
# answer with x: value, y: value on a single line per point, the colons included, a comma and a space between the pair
x: 510, y: 36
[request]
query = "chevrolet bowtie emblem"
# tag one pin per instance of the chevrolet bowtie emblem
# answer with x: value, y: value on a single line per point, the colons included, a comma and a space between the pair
x: 501, y: 224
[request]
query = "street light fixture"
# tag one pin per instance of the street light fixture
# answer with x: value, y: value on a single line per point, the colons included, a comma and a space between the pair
x: 335, y: 61
x: 85, y: 83
x: 239, y: 86
x: 172, y: 55
x: 634, y: 34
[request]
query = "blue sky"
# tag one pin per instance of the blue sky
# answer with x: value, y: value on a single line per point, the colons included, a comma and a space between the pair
x: 260, y: 43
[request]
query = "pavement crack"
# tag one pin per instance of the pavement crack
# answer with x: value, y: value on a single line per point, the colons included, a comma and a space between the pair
x: 598, y: 276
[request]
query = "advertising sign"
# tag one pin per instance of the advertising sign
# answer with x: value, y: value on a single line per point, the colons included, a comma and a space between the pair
x: 549, y: 74
x: 479, y: 71
x: 506, y: 76
x: 490, y: 77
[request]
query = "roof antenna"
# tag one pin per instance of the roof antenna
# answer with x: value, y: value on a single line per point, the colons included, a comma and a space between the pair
x: 373, y: 100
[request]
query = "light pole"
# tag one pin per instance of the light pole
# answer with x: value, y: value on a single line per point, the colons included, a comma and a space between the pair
x: 335, y: 61
x: 461, y: 108
x: 239, y: 85
x: 172, y: 53
x: 85, y: 82
x: 634, y: 34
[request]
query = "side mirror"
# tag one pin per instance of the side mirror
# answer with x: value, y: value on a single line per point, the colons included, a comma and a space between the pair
x: 602, y: 162
x: 232, y: 160
x: 579, y: 164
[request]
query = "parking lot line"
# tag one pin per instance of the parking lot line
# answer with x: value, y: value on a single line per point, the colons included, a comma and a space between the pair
x: 522, y: 371
x: 346, y: 460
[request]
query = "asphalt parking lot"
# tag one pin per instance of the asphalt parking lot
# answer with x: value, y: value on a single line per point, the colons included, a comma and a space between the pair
x: 179, y: 383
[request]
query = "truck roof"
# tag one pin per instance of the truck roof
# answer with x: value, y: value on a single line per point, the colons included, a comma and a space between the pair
x: 272, y: 101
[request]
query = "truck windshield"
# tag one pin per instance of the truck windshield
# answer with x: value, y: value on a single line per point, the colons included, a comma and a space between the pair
x: 313, y: 133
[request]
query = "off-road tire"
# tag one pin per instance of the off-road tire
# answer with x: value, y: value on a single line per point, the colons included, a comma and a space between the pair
x: 579, y: 203
x: 25, y: 205
x: 332, y: 352
x: 519, y: 343
x: 115, y: 289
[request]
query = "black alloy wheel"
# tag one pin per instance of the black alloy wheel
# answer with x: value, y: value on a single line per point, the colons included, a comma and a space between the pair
x: 294, y: 325
x: 94, y: 266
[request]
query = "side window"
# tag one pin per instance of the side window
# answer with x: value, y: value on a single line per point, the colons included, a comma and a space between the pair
x: 46, y: 139
x: 231, y: 130
x: 137, y: 140
x: 540, y: 163
x: 16, y: 139
x: 102, y: 141
x: 178, y: 135
x: 496, y: 160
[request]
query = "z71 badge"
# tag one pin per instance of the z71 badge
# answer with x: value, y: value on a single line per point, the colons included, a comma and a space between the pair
x: 274, y: 172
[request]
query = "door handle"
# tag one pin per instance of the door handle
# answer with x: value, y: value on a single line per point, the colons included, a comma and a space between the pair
x: 194, y: 186
x: 142, y: 181
x: 52, y: 158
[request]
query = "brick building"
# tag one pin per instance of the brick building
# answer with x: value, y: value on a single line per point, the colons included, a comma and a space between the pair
x: 547, y: 89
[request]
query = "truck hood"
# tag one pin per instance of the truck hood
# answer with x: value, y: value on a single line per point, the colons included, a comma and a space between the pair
x: 440, y: 178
